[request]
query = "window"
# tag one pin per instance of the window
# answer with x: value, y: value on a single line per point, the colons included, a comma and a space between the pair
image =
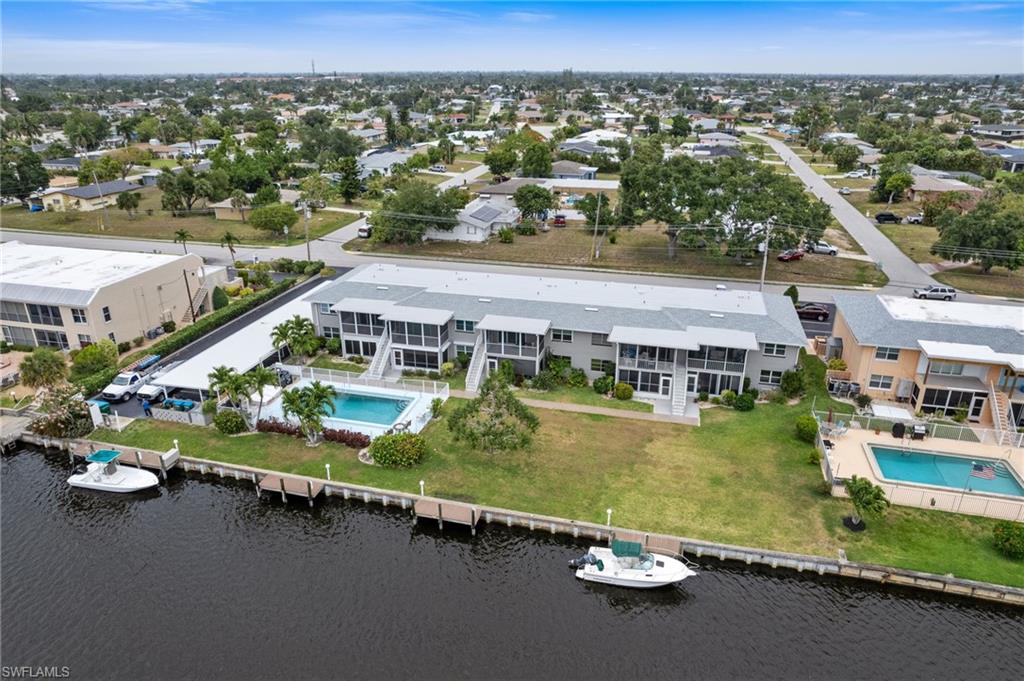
x: 769, y: 377
x: 52, y: 339
x: 879, y: 382
x: 774, y: 350
x: 947, y: 369
x: 464, y: 349
x: 18, y: 335
x: 599, y: 339
x: 642, y: 381
x: 887, y: 354
x: 44, y: 314
x: 84, y: 339
x: 78, y: 314
x: 13, y: 312
x: 332, y: 332
x: 362, y: 323
x: 352, y: 348
x: 325, y: 308
x: 106, y: 314
x: 465, y: 325
x: 604, y: 365
x: 561, y: 336
x: 418, y: 359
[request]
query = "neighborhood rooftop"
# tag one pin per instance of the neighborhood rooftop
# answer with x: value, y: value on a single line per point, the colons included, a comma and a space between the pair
x: 67, y: 276
x: 587, y: 305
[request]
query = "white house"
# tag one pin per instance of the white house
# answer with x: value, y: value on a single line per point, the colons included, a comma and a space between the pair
x: 479, y: 220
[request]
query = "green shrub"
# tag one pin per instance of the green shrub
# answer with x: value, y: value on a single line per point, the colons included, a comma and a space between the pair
x: 623, y: 391
x: 775, y: 397
x: 547, y: 379
x: 246, y: 292
x: 447, y: 369
x: 792, y: 383
x: 170, y: 327
x: 806, y: 428
x: 327, y: 272
x: 210, y: 406
x: 463, y: 359
x: 220, y: 299
x: 138, y: 341
x: 702, y: 396
x: 960, y: 415
x: 744, y: 402
x: 578, y: 378
x: 527, y: 229
x: 398, y: 450
x: 836, y: 364
x: 435, y: 407
x: 792, y: 293
x: 506, y: 235
x: 123, y: 347
x: 1009, y: 538
x: 716, y: 400
x: 613, y: 236
x: 229, y: 422
x: 333, y: 346
x: 753, y: 392
x: 813, y: 456
x: 863, y: 400
x: 603, y: 384
x: 507, y: 371
x: 728, y: 397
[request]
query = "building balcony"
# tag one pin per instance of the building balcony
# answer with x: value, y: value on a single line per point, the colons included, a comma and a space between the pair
x: 646, y: 364
x: 511, y: 350
x: 715, y: 365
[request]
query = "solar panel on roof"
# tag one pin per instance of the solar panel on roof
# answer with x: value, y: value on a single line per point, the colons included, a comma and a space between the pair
x: 485, y: 213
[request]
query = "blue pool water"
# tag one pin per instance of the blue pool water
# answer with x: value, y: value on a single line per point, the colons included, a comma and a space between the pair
x: 367, y: 408
x: 928, y: 468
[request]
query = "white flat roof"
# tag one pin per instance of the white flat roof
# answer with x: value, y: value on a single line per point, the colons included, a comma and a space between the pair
x: 362, y: 305
x: 417, y: 315
x: 966, y: 352
x: 966, y: 314
x: 706, y: 335
x: 497, y: 322
x: 241, y: 351
x: 57, y: 274
x: 594, y: 293
x: 662, y: 338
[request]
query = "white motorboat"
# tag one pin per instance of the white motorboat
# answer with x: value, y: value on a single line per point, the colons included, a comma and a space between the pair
x: 627, y: 564
x: 102, y: 472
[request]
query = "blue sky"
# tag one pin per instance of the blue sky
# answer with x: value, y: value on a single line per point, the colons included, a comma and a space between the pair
x: 178, y: 36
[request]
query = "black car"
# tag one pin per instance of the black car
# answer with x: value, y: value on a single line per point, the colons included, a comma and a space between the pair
x: 812, y: 311
x: 883, y: 218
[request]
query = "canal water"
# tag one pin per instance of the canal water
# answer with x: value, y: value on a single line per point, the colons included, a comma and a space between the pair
x: 202, y: 580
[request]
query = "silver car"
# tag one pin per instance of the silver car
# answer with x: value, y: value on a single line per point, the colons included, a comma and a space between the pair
x: 936, y: 292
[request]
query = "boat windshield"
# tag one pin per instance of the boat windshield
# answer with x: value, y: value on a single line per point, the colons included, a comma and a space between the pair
x: 646, y: 562
x: 121, y: 380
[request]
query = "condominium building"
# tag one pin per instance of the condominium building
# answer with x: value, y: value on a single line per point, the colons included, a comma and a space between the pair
x: 937, y: 356
x: 667, y: 342
x: 68, y: 298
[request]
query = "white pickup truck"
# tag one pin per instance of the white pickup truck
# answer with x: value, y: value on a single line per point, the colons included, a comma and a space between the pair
x: 128, y: 382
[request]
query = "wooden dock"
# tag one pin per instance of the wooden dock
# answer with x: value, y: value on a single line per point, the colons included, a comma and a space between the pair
x: 290, y: 484
x: 425, y: 507
x: 140, y: 458
x: 12, y: 427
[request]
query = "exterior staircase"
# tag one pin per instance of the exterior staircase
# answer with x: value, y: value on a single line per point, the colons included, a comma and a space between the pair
x: 379, y: 363
x: 477, y: 366
x: 679, y: 391
x: 197, y: 300
x: 1000, y: 406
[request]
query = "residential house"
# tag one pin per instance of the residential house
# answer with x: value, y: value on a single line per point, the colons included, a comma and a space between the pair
x: 481, y: 219
x: 381, y: 162
x: 587, y: 148
x: 570, y: 170
x: 86, y: 198
x: 718, y: 139
x: 67, y: 298
x: 927, y: 187
x: 372, y: 136
x: 1013, y: 159
x: 669, y: 343
x: 937, y: 356
x: 1005, y: 132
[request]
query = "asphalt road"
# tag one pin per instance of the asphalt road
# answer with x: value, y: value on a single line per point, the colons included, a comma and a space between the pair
x: 814, y: 328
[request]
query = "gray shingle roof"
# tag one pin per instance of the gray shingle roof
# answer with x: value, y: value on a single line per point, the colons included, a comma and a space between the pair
x: 92, y: 191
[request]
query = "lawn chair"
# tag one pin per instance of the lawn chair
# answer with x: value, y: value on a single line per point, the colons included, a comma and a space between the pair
x: 840, y: 429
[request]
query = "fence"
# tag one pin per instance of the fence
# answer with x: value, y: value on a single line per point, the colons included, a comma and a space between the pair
x: 946, y: 431
x: 953, y: 501
x: 194, y: 417
x: 348, y: 378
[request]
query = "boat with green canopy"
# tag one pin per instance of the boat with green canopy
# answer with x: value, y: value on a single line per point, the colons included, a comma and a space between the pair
x: 625, y: 563
x: 101, y: 472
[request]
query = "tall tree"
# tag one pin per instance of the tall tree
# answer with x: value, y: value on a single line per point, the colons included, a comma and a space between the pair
x: 989, y: 235
x: 680, y: 126
x: 128, y: 202
x: 21, y: 173
x: 501, y: 160
x: 308, y: 406
x: 868, y: 499
x: 537, y: 160
x: 229, y: 241
x: 85, y: 129
x: 258, y: 379
x: 496, y: 420
x: 182, y: 237
x: 43, y: 368
x: 533, y: 200
x: 274, y: 218
x: 349, y: 186
x: 414, y: 207
x: 239, y: 201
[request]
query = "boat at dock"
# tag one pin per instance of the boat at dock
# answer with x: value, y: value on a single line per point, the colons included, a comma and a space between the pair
x: 627, y: 564
x: 102, y: 472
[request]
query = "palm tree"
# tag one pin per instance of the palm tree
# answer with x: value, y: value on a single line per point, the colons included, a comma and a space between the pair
x: 239, y: 201
x: 868, y: 499
x: 43, y: 368
x: 229, y: 382
x: 259, y: 378
x: 229, y: 241
x: 182, y: 236
x: 308, y: 406
x: 298, y: 333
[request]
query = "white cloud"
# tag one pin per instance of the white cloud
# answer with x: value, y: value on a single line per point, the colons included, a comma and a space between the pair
x: 410, y: 18
x: 999, y: 42
x: 771, y: 48
x: 977, y: 7
x: 527, y: 17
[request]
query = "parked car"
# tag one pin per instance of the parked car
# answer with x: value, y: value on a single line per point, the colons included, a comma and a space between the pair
x: 791, y: 254
x: 845, y: 191
x: 558, y: 221
x: 813, y: 311
x: 438, y: 168
x: 365, y: 232
x: 124, y: 385
x: 856, y: 174
x: 882, y: 218
x: 480, y: 150
x: 822, y: 247
x: 936, y: 292
x: 152, y: 392
x: 915, y: 219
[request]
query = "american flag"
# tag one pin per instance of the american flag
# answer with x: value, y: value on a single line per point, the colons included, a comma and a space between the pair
x: 983, y: 471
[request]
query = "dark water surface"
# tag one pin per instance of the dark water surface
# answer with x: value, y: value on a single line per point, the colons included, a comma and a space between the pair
x: 203, y: 580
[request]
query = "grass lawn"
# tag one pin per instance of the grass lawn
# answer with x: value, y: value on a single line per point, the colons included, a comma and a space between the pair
x: 585, y: 396
x: 641, y: 249
x: 851, y: 182
x: 161, y: 163
x: 609, y: 176
x: 913, y: 240
x: 471, y: 156
x: 837, y: 235
x: 161, y: 224
x: 363, y: 204
x: 430, y: 178
x: 460, y: 166
x: 741, y: 478
x: 337, y: 364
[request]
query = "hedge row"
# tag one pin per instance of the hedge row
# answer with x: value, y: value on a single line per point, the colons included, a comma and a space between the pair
x: 93, y: 383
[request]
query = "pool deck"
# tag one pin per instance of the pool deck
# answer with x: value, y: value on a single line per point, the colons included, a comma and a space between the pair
x: 849, y: 457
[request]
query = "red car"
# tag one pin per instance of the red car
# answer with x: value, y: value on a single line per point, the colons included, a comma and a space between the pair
x: 791, y: 254
x: 558, y: 221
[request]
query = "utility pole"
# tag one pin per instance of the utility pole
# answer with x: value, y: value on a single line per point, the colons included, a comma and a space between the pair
x: 306, y: 212
x: 188, y: 292
x: 597, y: 221
x: 764, y: 257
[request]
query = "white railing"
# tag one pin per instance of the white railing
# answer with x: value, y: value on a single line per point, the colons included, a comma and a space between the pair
x: 679, y: 391
x: 350, y: 379
x: 647, y: 364
x: 477, y: 366
x: 380, y: 358
x: 939, y: 429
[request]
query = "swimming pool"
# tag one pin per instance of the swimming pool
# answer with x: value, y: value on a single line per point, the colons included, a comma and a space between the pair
x: 945, y: 470
x: 351, y: 406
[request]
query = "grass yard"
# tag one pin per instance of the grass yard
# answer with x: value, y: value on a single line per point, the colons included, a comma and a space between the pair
x: 161, y: 224
x: 741, y: 478
x: 337, y: 364
x: 837, y: 235
x: 585, y: 396
x: 913, y: 240
x: 641, y: 249
x: 461, y: 166
x: 431, y: 178
x: 161, y: 163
